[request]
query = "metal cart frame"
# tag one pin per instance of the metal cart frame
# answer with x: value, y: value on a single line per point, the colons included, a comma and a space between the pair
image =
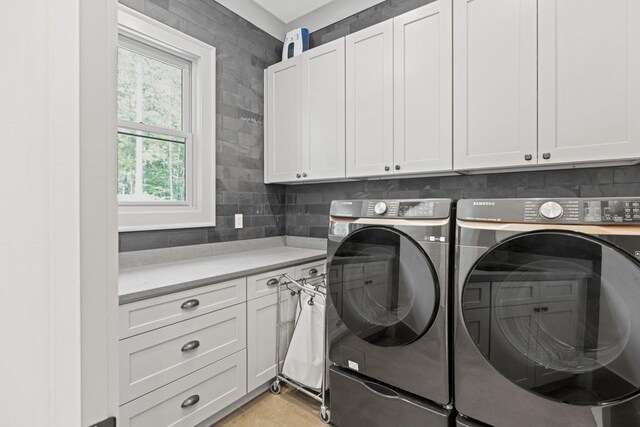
x: 298, y: 286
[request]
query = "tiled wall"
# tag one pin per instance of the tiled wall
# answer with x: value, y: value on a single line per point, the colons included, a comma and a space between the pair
x: 308, y: 205
x: 243, y: 52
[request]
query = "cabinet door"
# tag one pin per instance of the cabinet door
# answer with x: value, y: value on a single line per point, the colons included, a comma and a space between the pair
x: 369, y: 97
x: 494, y: 83
x: 558, y: 323
x: 589, y: 80
x: 261, y: 336
x: 478, y: 323
x: 512, y: 340
x: 323, y: 104
x: 422, y: 89
x: 283, y: 121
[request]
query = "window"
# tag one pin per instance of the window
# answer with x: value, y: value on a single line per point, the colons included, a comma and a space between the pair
x: 166, y: 130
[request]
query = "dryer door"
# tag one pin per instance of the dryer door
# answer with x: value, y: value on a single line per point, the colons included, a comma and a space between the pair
x: 558, y: 314
x: 387, y: 293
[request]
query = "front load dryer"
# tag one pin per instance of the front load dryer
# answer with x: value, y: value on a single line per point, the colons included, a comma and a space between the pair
x: 547, y: 312
x: 387, y: 311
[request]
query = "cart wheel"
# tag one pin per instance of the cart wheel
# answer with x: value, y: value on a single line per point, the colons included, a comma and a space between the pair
x: 275, y: 387
x: 325, y: 414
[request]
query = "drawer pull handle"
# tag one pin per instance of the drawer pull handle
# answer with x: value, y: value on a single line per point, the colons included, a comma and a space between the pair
x: 191, y: 345
x: 190, y: 401
x: 381, y: 390
x: 190, y: 304
x: 272, y: 282
x: 313, y: 272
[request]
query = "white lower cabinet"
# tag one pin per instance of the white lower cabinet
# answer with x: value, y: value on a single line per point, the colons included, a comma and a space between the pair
x: 146, y: 315
x: 192, y: 399
x: 261, y: 336
x: 186, y: 356
x: 148, y: 361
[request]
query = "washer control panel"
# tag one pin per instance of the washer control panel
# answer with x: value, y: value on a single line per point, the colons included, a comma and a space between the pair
x: 380, y: 208
x: 614, y: 210
x: 551, y: 210
x: 538, y: 210
x: 405, y: 209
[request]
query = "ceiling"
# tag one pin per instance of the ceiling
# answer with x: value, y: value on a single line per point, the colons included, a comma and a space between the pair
x: 288, y: 10
x: 276, y: 17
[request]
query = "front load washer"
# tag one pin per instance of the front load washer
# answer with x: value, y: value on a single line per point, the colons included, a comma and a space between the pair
x: 547, y: 312
x: 387, y: 314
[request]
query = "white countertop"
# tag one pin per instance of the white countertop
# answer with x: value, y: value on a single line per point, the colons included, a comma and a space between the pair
x: 148, y: 281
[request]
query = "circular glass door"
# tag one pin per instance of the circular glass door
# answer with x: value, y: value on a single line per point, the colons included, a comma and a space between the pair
x: 558, y: 314
x: 386, y: 292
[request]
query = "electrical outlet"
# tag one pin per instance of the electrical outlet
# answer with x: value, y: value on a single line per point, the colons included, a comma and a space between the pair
x: 238, y: 220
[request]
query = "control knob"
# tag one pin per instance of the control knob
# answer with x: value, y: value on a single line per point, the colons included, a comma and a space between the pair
x: 551, y: 210
x: 380, y: 208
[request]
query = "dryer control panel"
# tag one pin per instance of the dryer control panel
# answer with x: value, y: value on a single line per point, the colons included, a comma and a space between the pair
x: 613, y: 210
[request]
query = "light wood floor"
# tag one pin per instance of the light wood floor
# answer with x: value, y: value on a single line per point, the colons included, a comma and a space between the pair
x: 290, y: 408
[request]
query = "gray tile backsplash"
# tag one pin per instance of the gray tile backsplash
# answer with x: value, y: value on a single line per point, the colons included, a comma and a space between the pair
x: 302, y: 210
x: 307, y: 206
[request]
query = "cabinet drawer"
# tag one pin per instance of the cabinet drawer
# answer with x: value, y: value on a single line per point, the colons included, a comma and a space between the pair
x: 144, y: 316
x: 216, y: 386
x: 515, y: 293
x: 265, y: 283
x: 334, y: 274
x: 560, y: 290
x: 476, y: 295
x: 153, y: 359
x: 310, y: 270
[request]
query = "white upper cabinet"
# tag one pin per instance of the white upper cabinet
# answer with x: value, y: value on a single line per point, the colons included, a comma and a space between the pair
x: 323, y: 115
x: 369, y: 100
x: 304, y: 116
x: 422, y: 89
x: 494, y: 83
x: 589, y: 80
x: 283, y: 121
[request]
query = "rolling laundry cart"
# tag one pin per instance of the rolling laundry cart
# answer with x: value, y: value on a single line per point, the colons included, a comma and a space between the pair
x: 314, y: 289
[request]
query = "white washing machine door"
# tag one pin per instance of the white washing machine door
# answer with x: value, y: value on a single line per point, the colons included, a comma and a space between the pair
x: 388, y: 291
x: 558, y: 314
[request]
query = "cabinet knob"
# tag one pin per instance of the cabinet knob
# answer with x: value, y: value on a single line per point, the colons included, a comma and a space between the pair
x: 272, y: 282
x: 297, y: 175
x: 397, y: 167
x: 386, y: 168
x: 190, y: 304
x: 528, y: 157
x: 304, y: 174
x: 191, y: 345
x: 546, y: 156
x: 190, y: 401
x: 313, y: 272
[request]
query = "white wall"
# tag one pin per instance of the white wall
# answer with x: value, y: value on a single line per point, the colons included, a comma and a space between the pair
x: 41, y: 240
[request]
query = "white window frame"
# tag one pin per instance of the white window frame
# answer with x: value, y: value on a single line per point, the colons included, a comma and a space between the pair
x: 199, y: 208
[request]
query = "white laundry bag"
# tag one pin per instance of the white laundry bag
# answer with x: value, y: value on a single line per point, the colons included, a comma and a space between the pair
x: 305, y: 359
